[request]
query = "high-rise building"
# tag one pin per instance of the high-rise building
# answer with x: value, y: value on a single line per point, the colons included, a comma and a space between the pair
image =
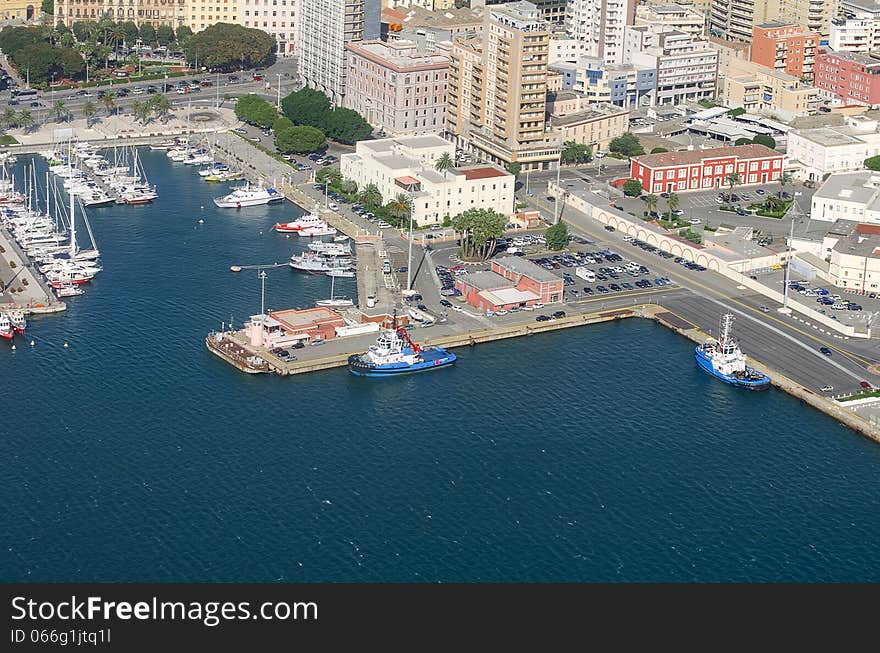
x: 553, y: 11
x: 499, y: 110
x: 325, y: 28
x: 599, y: 25
x: 811, y: 15
x: 785, y: 47
x: 734, y: 20
x: 276, y: 17
x: 154, y: 12
x: 857, y: 28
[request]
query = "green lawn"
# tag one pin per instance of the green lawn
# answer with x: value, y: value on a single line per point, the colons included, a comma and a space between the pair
x: 6, y: 139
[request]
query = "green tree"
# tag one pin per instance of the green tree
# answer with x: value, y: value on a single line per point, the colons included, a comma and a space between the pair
x: 164, y: 34
x: 88, y: 111
x: 131, y: 33
x: 346, y: 126
x: 48, y: 7
x: 306, y: 107
x: 26, y: 119
x: 227, y: 45
x: 299, y: 139
x: 444, y: 162
x: 253, y: 109
x: 873, y: 163
x: 183, y: 34
x: 557, y: 236
x: 399, y: 207
x: 478, y: 230
x: 329, y: 174
x: 574, y: 152
x: 742, y: 141
x: 161, y: 106
x: 348, y: 186
x: 281, y: 123
x: 67, y: 40
x: 147, y: 33
x: 659, y: 150
x: 626, y: 144
x: 60, y: 111
x: 651, y: 203
x: 109, y: 101
x: 764, y: 139
x: 785, y: 179
x: 732, y: 180
x: 736, y: 112
x: 632, y: 188
x: 370, y: 197
x: 9, y: 118
x: 672, y: 204
x: 513, y: 168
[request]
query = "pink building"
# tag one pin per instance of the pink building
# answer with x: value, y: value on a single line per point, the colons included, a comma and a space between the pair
x: 853, y: 77
x: 511, y: 283
x: 396, y: 87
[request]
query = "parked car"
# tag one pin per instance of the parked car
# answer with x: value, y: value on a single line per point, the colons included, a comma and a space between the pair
x: 825, y: 350
x: 559, y: 314
x: 865, y: 385
x: 542, y: 318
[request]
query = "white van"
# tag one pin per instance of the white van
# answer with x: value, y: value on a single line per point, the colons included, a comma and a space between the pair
x: 586, y: 274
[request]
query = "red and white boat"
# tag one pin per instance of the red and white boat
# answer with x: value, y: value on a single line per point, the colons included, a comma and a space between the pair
x: 16, y: 319
x: 305, y: 222
x: 5, y: 327
x: 67, y: 290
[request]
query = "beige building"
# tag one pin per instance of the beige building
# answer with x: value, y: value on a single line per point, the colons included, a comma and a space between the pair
x: 155, y: 12
x: 577, y: 119
x: 683, y: 18
x: 735, y: 19
x: 204, y: 13
x: 19, y: 9
x: 276, y: 17
x: 854, y: 262
x: 759, y: 89
x: 407, y: 165
x: 815, y: 152
x: 396, y: 87
x: 498, y: 89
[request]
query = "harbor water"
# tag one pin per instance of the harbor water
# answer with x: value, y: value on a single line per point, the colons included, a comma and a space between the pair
x: 593, y: 454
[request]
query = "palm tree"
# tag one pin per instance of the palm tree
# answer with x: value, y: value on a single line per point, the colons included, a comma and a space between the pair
x: 9, y: 118
x: 444, y: 162
x: 672, y: 203
x: 89, y: 110
x: 67, y: 40
x: 399, y: 207
x: 651, y: 203
x: 784, y: 180
x: 59, y: 110
x: 103, y: 52
x: 370, y: 197
x: 26, y: 119
x: 161, y: 105
x: 109, y: 101
x: 732, y: 180
x: 140, y: 111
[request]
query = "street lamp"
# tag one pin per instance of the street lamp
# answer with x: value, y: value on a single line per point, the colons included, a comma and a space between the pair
x: 278, y: 100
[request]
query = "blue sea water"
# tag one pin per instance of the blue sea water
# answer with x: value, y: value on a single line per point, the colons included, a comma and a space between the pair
x: 594, y: 454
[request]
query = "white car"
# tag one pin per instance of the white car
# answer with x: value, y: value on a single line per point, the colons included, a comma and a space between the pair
x: 501, y: 312
x: 695, y: 221
x: 332, y: 206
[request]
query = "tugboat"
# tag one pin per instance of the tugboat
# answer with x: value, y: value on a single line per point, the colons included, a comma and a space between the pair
x: 724, y: 360
x: 395, y: 353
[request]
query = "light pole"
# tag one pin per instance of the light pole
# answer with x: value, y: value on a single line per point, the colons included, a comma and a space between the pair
x: 785, y: 308
x: 409, y: 262
x: 217, y: 92
x: 278, y: 95
x: 558, y: 190
x: 263, y: 292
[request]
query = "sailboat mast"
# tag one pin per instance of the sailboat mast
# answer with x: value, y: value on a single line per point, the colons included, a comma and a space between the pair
x: 48, y: 213
x: 72, y: 209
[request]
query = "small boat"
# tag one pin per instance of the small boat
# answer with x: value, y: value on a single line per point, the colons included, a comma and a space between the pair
x: 223, y: 175
x: 723, y: 359
x: 394, y: 353
x: 341, y: 238
x: 318, y: 231
x: 334, y: 301
x: 68, y: 290
x: 5, y: 327
x: 316, y: 264
x: 344, y: 273
x: 305, y: 222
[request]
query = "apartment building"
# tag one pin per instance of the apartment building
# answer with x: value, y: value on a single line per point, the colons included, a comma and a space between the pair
x: 686, y: 68
x: 599, y: 25
x: 856, y: 28
x: 552, y: 11
x: 849, y: 77
x: 325, y: 28
x: 681, y: 17
x: 406, y: 165
x: 497, y: 88
x: 785, y: 47
x: 759, y: 89
x: 396, y: 87
x: 594, y: 124
x: 623, y: 85
x: 154, y: 12
x: 734, y: 20
x: 815, y: 152
x: 810, y: 15
x: 276, y: 17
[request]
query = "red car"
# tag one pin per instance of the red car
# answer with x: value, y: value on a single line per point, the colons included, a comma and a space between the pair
x: 258, y: 78
x: 865, y: 385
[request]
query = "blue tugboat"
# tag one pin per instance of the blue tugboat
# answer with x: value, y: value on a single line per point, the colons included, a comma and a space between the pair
x: 724, y: 360
x: 395, y: 353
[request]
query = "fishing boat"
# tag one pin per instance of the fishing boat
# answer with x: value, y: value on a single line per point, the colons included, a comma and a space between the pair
x: 248, y: 195
x: 395, y: 353
x: 723, y: 359
x: 5, y: 327
x: 305, y: 222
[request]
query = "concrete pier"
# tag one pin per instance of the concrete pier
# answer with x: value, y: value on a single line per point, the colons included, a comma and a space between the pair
x: 26, y: 290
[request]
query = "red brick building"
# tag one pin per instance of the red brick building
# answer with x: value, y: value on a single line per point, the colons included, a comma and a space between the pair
x: 785, y: 47
x: 706, y: 169
x: 512, y: 282
x: 853, y: 77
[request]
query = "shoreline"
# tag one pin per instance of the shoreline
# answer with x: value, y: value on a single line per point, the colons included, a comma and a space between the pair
x: 654, y: 312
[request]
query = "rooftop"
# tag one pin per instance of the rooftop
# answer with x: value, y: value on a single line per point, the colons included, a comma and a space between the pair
x: 483, y: 172
x: 293, y: 319
x: 401, y: 55
x: 865, y: 5
x: 829, y: 136
x: 857, y: 57
x: 854, y: 246
x: 861, y: 187
x: 525, y: 267
x: 486, y: 280
x: 751, y: 151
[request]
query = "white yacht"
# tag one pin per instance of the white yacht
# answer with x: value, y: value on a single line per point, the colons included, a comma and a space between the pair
x: 248, y: 195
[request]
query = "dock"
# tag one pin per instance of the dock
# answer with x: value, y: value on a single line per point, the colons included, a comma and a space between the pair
x: 26, y: 291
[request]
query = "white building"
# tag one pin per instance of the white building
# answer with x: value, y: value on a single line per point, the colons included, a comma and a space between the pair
x: 857, y: 28
x: 276, y: 17
x: 815, y: 152
x: 680, y: 17
x: 325, y: 28
x: 599, y: 25
x: 853, y: 256
x: 407, y: 165
x: 687, y: 69
x: 848, y: 196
